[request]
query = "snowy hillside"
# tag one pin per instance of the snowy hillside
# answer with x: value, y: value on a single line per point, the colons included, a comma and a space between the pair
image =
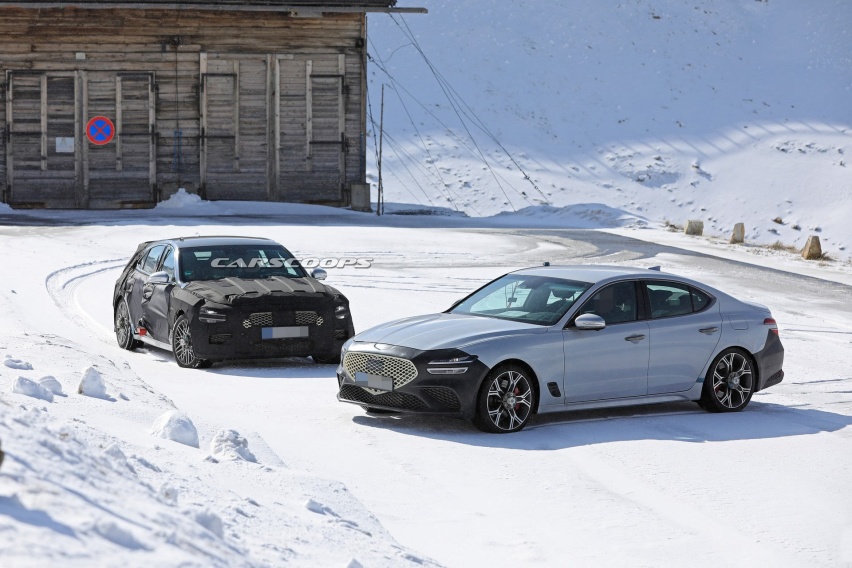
x: 726, y: 111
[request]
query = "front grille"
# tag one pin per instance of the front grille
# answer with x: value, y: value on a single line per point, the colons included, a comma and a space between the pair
x: 445, y: 396
x: 219, y: 338
x: 261, y: 319
x: 306, y: 318
x: 285, y: 347
x: 340, y: 334
x: 402, y: 371
x: 399, y: 400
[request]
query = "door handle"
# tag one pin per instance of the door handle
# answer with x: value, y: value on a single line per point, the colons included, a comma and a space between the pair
x: 709, y: 330
x: 634, y: 338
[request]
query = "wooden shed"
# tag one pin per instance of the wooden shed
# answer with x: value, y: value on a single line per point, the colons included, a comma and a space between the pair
x: 231, y: 99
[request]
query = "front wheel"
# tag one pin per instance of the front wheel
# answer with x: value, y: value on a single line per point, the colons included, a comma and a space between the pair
x: 124, y: 327
x: 729, y: 383
x: 505, y: 401
x: 182, y: 346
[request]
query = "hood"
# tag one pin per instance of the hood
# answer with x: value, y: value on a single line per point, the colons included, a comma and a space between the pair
x: 231, y: 290
x: 444, y: 331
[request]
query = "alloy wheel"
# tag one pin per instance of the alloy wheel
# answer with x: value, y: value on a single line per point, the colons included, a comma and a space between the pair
x: 183, y: 343
x: 122, y: 323
x: 733, y: 380
x: 509, y: 400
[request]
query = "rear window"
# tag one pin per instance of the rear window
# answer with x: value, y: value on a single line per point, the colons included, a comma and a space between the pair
x: 668, y: 299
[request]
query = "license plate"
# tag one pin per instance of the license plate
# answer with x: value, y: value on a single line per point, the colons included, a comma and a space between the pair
x: 374, y: 381
x: 284, y: 332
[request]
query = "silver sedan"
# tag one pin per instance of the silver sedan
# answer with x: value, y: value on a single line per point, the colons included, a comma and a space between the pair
x: 552, y: 339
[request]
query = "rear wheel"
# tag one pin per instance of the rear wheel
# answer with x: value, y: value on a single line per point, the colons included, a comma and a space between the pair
x: 182, y: 346
x: 505, y: 400
x: 729, y: 383
x: 124, y: 327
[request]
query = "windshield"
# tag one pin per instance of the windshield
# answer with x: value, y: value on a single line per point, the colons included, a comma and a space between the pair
x: 238, y: 261
x: 540, y: 300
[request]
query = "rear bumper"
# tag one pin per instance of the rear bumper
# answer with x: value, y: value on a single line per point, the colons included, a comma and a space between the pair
x: 444, y: 395
x: 770, y: 362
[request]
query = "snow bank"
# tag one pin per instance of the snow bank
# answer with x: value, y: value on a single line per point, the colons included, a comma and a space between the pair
x: 92, y: 384
x: 17, y: 364
x: 181, y: 200
x: 50, y: 383
x: 210, y: 521
x: 177, y: 427
x: 25, y: 386
x: 229, y: 445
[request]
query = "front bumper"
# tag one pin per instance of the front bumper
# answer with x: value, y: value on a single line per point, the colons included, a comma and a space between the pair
x: 427, y: 393
x: 241, y: 335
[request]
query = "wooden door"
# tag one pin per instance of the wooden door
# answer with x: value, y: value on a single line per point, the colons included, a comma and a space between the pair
x: 42, y: 139
x: 234, y: 127
x: 121, y: 173
x: 310, y: 125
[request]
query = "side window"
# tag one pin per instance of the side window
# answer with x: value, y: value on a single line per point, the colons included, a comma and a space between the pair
x: 169, y: 263
x: 152, y: 258
x: 615, y: 304
x: 700, y: 300
x: 669, y: 299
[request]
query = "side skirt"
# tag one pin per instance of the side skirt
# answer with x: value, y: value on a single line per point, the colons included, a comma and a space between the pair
x: 690, y: 395
x: 152, y: 342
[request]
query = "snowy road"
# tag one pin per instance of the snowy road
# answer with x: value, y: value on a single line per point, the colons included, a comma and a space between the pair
x: 656, y: 485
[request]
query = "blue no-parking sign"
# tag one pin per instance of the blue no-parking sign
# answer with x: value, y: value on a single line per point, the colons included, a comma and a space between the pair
x: 100, y: 130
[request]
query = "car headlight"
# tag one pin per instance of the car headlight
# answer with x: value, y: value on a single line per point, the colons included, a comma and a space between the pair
x: 209, y: 314
x: 451, y: 366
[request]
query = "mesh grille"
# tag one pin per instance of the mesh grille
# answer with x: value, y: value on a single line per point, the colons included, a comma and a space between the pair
x: 219, y: 338
x: 285, y: 347
x: 261, y: 319
x: 340, y: 334
x: 445, y: 396
x: 400, y: 400
x: 306, y: 318
x: 402, y: 371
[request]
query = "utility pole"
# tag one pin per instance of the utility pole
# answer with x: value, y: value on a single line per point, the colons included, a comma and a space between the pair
x: 381, y: 197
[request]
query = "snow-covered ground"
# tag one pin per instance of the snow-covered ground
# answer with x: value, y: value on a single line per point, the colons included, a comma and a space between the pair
x: 623, y: 116
x: 725, y: 111
x: 90, y: 481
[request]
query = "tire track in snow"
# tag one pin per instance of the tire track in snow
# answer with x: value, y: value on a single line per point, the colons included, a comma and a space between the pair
x: 60, y: 285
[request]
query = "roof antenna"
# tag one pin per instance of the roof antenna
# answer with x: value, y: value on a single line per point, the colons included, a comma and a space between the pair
x: 547, y: 263
x: 657, y: 268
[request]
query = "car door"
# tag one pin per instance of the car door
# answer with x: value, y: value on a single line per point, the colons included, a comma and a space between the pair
x: 156, y: 299
x: 136, y: 281
x: 611, y: 362
x: 685, y: 327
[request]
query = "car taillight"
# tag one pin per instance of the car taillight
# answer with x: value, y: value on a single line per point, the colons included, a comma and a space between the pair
x: 773, y: 325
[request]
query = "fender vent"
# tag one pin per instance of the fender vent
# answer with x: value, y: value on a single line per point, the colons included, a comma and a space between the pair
x: 554, y: 390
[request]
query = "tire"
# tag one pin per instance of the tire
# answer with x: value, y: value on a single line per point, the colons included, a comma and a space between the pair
x: 730, y: 381
x: 124, y: 327
x: 505, y: 401
x: 182, y: 346
x: 327, y: 359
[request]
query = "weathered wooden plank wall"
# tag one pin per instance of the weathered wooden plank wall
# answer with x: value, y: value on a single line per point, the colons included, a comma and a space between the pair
x: 231, y: 90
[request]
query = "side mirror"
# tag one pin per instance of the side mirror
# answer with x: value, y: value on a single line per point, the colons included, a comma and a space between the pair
x: 158, y: 278
x: 319, y: 274
x: 590, y: 321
